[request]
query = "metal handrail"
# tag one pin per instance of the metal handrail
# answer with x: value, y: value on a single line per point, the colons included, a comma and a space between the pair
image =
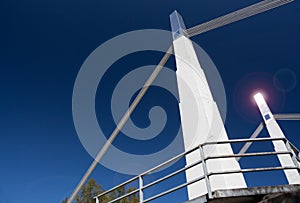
x: 172, y: 174
x: 116, y: 187
x: 174, y: 189
x: 206, y: 174
x: 247, y: 170
x: 248, y: 154
x: 292, y: 150
x: 244, y: 140
x: 123, y: 196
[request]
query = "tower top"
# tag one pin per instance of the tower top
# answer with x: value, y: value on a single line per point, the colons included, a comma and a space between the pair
x: 177, y: 25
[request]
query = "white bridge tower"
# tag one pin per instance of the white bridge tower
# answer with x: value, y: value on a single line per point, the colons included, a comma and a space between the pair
x: 200, y: 118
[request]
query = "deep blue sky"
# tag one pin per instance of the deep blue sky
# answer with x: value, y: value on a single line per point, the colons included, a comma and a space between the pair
x: 44, y: 43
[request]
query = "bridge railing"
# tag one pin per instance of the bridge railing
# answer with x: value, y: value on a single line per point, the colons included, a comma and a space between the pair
x: 291, y: 150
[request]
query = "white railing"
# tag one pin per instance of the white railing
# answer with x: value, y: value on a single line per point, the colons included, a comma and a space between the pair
x: 291, y: 150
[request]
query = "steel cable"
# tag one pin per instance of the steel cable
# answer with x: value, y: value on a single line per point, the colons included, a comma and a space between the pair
x: 236, y: 16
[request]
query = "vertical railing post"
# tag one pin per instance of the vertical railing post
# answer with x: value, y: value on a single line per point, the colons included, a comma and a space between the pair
x: 141, y: 195
x: 97, y: 200
x: 293, y: 155
x: 205, y: 171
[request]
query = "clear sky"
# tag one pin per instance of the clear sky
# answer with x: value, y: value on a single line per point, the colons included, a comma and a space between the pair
x: 44, y: 44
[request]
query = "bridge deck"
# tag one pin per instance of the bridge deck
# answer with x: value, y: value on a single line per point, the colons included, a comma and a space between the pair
x: 266, y: 194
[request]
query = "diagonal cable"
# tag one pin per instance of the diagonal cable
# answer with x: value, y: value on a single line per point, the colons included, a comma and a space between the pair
x: 122, y: 122
x: 236, y: 16
x: 288, y: 117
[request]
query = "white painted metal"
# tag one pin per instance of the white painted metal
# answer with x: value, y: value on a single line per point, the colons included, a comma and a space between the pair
x: 200, y: 118
x: 276, y: 132
x: 201, y: 122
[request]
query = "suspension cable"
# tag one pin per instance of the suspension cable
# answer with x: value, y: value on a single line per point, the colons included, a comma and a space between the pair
x: 236, y: 16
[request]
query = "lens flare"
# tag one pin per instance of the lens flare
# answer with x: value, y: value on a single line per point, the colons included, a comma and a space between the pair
x: 259, y: 98
x: 258, y: 82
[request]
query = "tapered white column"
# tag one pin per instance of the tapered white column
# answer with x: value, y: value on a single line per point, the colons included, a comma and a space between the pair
x: 275, y: 131
x: 200, y: 118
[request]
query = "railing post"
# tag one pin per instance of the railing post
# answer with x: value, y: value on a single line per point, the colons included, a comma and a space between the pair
x: 97, y: 200
x: 141, y: 195
x: 293, y: 155
x: 205, y: 171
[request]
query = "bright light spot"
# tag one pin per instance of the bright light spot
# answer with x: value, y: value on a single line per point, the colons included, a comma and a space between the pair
x: 259, y: 98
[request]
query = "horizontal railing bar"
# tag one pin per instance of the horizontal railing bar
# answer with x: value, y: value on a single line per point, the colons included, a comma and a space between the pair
x: 252, y: 170
x: 172, y: 174
x: 243, y: 140
x: 270, y: 169
x: 179, y: 156
x: 174, y: 189
x: 247, y: 154
x: 116, y: 187
x: 126, y: 195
